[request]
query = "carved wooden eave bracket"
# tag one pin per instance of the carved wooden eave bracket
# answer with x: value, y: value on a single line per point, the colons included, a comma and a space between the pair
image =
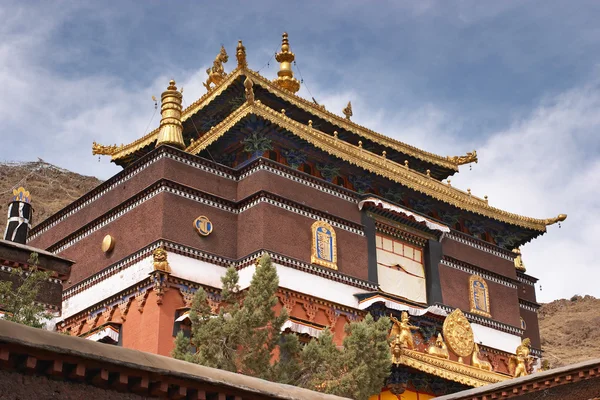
x: 448, y: 369
x: 371, y: 162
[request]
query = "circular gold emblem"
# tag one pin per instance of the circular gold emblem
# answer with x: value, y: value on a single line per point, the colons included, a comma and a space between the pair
x: 108, y: 243
x: 458, y: 333
x: 203, y: 225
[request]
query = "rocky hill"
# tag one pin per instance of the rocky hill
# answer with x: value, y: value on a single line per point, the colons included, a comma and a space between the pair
x: 51, y: 187
x: 570, y: 330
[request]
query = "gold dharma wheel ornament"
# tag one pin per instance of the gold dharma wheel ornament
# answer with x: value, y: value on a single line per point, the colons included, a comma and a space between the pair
x: 108, y: 243
x: 459, y: 334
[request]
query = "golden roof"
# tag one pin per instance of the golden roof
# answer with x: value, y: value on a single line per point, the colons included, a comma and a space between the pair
x: 374, y: 163
x: 450, y: 162
x: 371, y: 162
x: 448, y: 369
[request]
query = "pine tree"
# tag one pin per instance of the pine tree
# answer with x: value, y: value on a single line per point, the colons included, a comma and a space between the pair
x: 19, y: 302
x: 246, y: 333
x: 358, y: 370
x: 262, y: 328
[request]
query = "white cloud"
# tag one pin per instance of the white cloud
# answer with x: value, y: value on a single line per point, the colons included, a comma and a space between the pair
x: 545, y: 164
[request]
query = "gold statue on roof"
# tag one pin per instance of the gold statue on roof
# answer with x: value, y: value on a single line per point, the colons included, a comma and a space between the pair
x: 466, y: 159
x: 348, y: 111
x: 240, y: 54
x: 402, y: 330
x: 439, y: 348
x: 518, y: 260
x: 216, y: 73
x: 519, y: 363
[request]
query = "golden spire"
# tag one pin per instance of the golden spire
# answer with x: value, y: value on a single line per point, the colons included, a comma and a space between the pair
x: 170, y: 124
x: 240, y: 54
x: 285, y: 76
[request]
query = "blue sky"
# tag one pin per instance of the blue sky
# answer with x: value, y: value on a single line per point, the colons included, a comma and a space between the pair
x: 518, y: 81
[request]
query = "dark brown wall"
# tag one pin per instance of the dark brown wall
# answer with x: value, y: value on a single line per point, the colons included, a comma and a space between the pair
x: 196, y: 178
x: 132, y: 231
x: 479, y: 258
x: 527, y: 292
x: 504, y: 303
x: 101, y: 206
x: 533, y: 327
x: 178, y: 218
x: 264, y: 180
x: 50, y: 292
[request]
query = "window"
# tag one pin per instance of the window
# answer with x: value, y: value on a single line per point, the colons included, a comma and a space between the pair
x: 400, y: 268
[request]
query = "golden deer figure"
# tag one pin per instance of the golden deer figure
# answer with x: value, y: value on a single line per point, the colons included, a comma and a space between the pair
x: 477, y: 362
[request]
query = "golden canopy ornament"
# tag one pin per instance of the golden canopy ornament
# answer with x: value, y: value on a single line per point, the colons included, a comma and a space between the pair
x: 459, y: 334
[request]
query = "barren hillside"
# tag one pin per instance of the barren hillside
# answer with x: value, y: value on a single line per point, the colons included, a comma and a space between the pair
x: 570, y: 330
x: 51, y: 187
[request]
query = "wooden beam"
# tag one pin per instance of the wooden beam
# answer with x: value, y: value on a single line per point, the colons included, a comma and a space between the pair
x: 30, y: 363
x: 178, y: 392
x: 78, y: 372
x: 159, y: 388
x: 55, y: 368
x: 197, y: 394
x: 100, y: 378
x: 122, y: 381
x: 140, y: 385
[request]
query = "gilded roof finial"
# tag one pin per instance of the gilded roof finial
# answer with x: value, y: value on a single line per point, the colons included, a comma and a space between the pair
x: 216, y: 73
x: 240, y: 54
x: 285, y: 76
x: 348, y: 110
x: 170, y: 124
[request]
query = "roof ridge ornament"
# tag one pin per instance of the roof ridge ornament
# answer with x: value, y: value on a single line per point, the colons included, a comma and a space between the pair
x: 216, y: 73
x: 466, y: 159
x: 285, y: 76
x: 171, y: 130
x: 348, y: 111
x: 240, y: 55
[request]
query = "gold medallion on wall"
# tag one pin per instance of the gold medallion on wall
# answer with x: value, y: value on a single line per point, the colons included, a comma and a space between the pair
x: 108, y: 243
x: 459, y: 334
x: 203, y: 225
x: 324, y: 250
